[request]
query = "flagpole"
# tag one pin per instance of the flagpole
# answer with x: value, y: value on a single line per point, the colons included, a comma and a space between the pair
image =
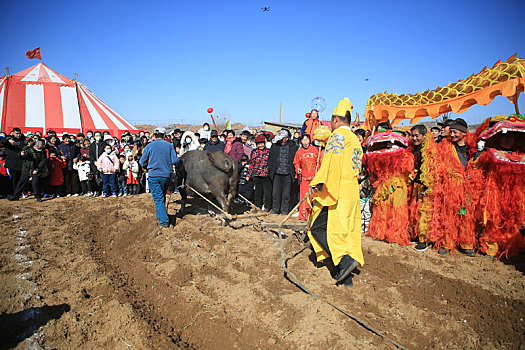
x: 78, y: 102
x: 280, y: 110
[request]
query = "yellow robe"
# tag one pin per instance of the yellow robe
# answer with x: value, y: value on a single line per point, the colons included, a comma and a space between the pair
x: 340, y: 193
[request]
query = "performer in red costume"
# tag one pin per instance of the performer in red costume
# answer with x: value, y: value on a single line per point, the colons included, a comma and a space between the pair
x: 451, y: 193
x: 501, y: 210
x: 305, y: 163
x: 390, y: 166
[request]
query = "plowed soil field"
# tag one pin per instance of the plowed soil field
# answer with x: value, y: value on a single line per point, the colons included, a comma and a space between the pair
x: 99, y: 274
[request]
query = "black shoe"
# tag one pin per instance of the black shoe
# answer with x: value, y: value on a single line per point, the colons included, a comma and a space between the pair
x: 2, y: 196
x: 469, y: 252
x: 164, y: 225
x: 346, y: 266
x: 39, y: 199
x: 12, y: 198
x: 421, y: 247
x: 443, y: 251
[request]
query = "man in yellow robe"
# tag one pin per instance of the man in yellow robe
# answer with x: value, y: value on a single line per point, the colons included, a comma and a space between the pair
x: 335, y: 230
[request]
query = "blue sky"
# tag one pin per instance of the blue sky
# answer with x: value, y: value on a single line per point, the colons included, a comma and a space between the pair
x: 171, y: 60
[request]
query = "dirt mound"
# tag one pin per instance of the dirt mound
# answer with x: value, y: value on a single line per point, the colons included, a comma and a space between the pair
x: 98, y: 273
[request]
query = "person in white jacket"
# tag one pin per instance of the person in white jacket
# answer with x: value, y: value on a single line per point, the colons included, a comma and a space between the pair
x: 205, y: 131
x: 83, y: 167
x: 189, y: 142
x: 131, y: 167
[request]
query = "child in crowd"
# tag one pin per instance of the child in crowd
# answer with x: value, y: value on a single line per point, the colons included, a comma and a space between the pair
x: 5, y: 180
x: 244, y: 168
x: 259, y: 172
x: 122, y: 177
x: 56, y: 176
x: 108, y: 165
x: 84, y: 150
x: 83, y: 166
x: 202, y: 142
x: 131, y: 167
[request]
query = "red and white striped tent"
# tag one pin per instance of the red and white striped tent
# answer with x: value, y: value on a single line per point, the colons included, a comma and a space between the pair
x: 40, y: 99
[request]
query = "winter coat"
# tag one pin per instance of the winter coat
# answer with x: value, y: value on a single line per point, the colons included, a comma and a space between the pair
x: 247, y: 150
x: 305, y: 162
x: 84, y: 169
x: 3, y: 169
x: 56, y: 176
x: 33, y: 160
x: 237, y: 150
x: 132, y: 171
x: 13, y: 160
x: 84, y: 151
x: 273, y: 159
x: 108, y: 163
x: 70, y: 151
x: 204, y: 133
x: 243, y: 173
x: 212, y: 147
x: 310, y: 125
x: 184, y: 147
x: 259, y: 163
x: 95, y: 151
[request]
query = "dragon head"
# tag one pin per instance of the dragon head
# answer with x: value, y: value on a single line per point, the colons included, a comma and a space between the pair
x: 504, y: 138
x: 386, y: 142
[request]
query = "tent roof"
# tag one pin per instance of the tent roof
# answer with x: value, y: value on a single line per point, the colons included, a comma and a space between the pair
x: 40, y: 73
x: 40, y: 99
x: 504, y: 78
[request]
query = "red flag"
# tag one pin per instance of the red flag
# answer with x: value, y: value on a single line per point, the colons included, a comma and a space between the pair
x: 35, y: 53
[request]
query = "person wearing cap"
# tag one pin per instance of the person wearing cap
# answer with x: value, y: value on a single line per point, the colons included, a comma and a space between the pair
x: 282, y: 171
x: 335, y: 230
x: 159, y: 158
x: 449, y: 227
x: 214, y: 144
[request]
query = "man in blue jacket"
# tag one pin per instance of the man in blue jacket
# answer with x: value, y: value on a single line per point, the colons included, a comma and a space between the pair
x: 159, y: 157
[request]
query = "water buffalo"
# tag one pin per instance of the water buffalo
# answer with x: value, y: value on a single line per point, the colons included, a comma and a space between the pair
x: 210, y: 173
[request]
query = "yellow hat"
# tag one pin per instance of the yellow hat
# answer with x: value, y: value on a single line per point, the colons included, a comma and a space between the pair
x: 343, y: 106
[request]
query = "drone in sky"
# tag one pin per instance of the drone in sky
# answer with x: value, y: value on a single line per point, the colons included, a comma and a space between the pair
x: 265, y: 9
x: 366, y: 79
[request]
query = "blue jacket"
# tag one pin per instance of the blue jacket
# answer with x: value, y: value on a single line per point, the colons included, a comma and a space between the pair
x: 160, y: 157
x: 69, y: 151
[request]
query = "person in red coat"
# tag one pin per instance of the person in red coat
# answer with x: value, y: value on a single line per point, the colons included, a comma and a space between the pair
x: 56, y: 176
x: 5, y: 180
x: 305, y: 162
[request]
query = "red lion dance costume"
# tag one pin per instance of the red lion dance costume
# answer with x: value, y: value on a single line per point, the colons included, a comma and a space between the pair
x: 390, y: 166
x: 501, y: 211
x: 453, y: 194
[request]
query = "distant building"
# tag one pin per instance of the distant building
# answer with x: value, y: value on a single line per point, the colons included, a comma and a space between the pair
x: 275, y: 127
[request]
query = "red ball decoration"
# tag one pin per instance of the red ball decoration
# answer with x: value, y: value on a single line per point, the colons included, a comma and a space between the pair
x: 307, y: 115
x: 210, y: 110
